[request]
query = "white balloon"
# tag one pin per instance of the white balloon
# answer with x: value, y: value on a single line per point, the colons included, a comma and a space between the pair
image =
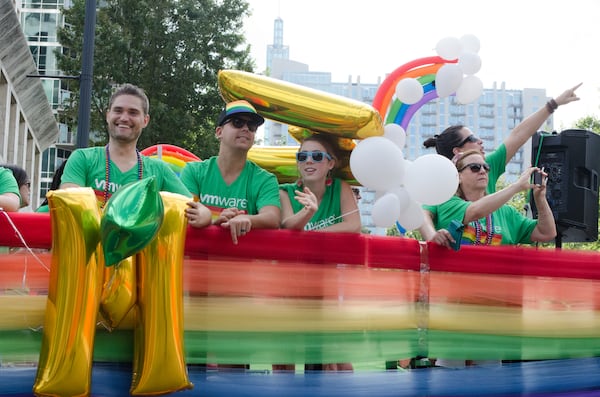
x: 449, y: 48
x: 409, y: 90
x: 402, y: 194
x: 412, y: 216
x: 469, y: 62
x: 470, y: 89
x: 395, y: 133
x: 385, y: 210
x: 432, y: 179
x: 407, y: 164
x: 448, y: 79
x: 376, y: 164
x: 470, y: 43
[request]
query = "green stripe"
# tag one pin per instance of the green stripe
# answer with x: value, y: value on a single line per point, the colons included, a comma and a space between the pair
x: 355, y: 347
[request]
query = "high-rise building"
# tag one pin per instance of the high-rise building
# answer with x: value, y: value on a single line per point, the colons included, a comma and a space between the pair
x: 40, y: 21
x: 27, y: 124
x: 492, y: 117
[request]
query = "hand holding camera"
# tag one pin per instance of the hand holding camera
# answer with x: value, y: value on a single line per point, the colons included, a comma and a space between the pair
x: 539, y: 177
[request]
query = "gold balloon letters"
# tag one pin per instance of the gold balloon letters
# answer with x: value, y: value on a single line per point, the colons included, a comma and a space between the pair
x: 77, y: 279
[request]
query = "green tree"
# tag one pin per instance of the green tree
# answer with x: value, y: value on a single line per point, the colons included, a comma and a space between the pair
x: 171, y: 48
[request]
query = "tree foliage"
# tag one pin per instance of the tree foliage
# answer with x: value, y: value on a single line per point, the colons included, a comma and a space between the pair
x: 173, y: 49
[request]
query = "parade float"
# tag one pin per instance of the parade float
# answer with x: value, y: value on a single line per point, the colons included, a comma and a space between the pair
x: 130, y: 300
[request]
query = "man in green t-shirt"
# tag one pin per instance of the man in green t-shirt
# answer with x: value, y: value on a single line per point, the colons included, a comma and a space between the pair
x: 10, y: 199
x: 240, y: 195
x: 106, y: 169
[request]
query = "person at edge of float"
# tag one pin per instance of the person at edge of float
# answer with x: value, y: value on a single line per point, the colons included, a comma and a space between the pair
x: 321, y: 202
x: 487, y: 219
x: 106, y: 169
x: 23, y: 182
x: 241, y: 195
x: 10, y: 197
x: 459, y: 138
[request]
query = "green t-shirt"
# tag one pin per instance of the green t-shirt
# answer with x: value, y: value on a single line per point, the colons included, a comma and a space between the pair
x: 509, y: 226
x: 254, y: 189
x: 329, y: 212
x: 497, y: 162
x: 8, y: 183
x: 87, y: 168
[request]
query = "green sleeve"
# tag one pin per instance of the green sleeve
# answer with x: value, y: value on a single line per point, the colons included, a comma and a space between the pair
x: 8, y: 184
x: 172, y: 183
x: 189, y: 178
x: 76, y: 169
x: 268, y: 190
x: 497, y: 162
x: 453, y: 209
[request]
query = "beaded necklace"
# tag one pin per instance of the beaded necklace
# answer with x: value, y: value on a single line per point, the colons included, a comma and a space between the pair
x: 140, y: 167
x: 490, y: 231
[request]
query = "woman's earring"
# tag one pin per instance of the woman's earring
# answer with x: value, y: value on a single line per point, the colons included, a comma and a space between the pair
x: 329, y: 180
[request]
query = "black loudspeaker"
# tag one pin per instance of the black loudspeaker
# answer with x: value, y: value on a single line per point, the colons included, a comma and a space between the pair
x: 572, y: 161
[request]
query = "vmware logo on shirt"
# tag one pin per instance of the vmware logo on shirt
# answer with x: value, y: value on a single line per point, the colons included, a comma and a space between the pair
x: 321, y: 224
x: 101, y: 184
x: 224, y: 202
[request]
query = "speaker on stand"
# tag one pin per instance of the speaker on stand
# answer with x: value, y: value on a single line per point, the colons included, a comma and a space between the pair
x: 572, y: 161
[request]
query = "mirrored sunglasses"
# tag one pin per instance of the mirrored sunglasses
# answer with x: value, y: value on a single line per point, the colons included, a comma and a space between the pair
x: 316, y: 155
x: 239, y: 123
x: 476, y: 167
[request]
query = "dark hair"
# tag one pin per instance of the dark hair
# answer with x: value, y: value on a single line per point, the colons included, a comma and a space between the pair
x: 55, y: 184
x: 331, y: 146
x: 328, y: 142
x: 19, y: 173
x: 446, y: 141
x: 130, y: 89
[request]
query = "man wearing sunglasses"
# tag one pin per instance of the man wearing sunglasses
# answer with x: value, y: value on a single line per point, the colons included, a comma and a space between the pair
x: 457, y: 139
x: 240, y: 195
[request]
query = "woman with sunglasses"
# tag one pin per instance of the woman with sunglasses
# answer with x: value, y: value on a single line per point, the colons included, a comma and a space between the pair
x: 487, y: 219
x: 458, y: 138
x: 319, y: 201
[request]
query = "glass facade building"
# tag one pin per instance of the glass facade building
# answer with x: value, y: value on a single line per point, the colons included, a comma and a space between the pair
x: 492, y: 117
x: 40, y: 21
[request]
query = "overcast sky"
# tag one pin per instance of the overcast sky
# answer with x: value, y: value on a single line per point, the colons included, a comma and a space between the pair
x: 547, y: 44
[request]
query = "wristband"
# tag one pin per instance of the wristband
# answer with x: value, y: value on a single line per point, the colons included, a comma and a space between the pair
x: 551, y: 105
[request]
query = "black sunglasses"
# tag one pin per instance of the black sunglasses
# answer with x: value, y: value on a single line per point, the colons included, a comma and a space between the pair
x: 239, y: 123
x: 470, y: 138
x: 476, y: 167
x: 316, y: 155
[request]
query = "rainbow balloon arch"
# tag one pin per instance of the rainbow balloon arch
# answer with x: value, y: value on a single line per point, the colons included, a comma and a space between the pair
x: 283, y: 296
